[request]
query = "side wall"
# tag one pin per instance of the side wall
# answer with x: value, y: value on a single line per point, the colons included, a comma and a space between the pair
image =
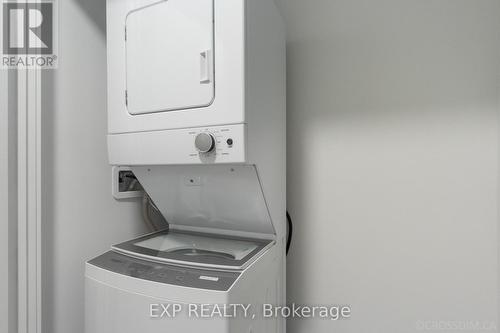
x: 393, y: 161
x: 265, y: 107
x: 80, y: 217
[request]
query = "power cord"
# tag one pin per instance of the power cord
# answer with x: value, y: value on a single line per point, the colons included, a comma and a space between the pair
x: 289, y: 233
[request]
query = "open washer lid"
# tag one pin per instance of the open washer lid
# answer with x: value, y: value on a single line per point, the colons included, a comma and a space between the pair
x: 218, y: 199
x: 196, y: 249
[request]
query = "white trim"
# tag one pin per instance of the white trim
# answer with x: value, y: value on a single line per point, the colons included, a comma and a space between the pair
x: 4, y: 205
x: 8, y: 201
x: 29, y: 199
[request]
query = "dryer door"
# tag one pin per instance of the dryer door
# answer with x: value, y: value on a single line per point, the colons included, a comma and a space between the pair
x: 170, y: 56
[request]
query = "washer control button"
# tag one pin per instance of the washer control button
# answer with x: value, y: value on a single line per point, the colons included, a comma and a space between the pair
x: 209, y: 278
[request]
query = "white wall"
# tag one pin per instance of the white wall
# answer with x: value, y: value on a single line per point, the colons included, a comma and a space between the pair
x: 80, y: 217
x: 392, y: 160
x: 392, y: 126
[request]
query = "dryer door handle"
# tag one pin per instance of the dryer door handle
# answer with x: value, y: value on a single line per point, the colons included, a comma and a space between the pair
x: 206, y: 67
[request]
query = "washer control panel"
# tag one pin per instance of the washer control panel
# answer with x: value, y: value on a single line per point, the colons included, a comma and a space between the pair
x: 164, y: 273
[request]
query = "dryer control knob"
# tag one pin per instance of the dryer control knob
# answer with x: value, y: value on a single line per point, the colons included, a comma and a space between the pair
x: 204, y: 142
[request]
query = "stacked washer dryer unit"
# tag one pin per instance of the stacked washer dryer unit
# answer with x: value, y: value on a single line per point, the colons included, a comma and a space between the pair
x: 196, y: 105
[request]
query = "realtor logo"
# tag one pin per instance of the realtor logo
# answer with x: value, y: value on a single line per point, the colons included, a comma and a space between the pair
x: 28, y: 36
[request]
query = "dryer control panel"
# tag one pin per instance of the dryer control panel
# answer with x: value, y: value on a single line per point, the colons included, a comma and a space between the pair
x: 204, y: 145
x: 216, y: 144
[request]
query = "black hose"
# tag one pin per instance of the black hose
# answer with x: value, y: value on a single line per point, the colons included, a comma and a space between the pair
x: 290, y: 232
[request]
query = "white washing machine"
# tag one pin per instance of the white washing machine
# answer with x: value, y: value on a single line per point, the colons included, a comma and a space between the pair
x: 128, y: 294
x: 129, y: 287
x: 220, y: 250
x: 196, y: 110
